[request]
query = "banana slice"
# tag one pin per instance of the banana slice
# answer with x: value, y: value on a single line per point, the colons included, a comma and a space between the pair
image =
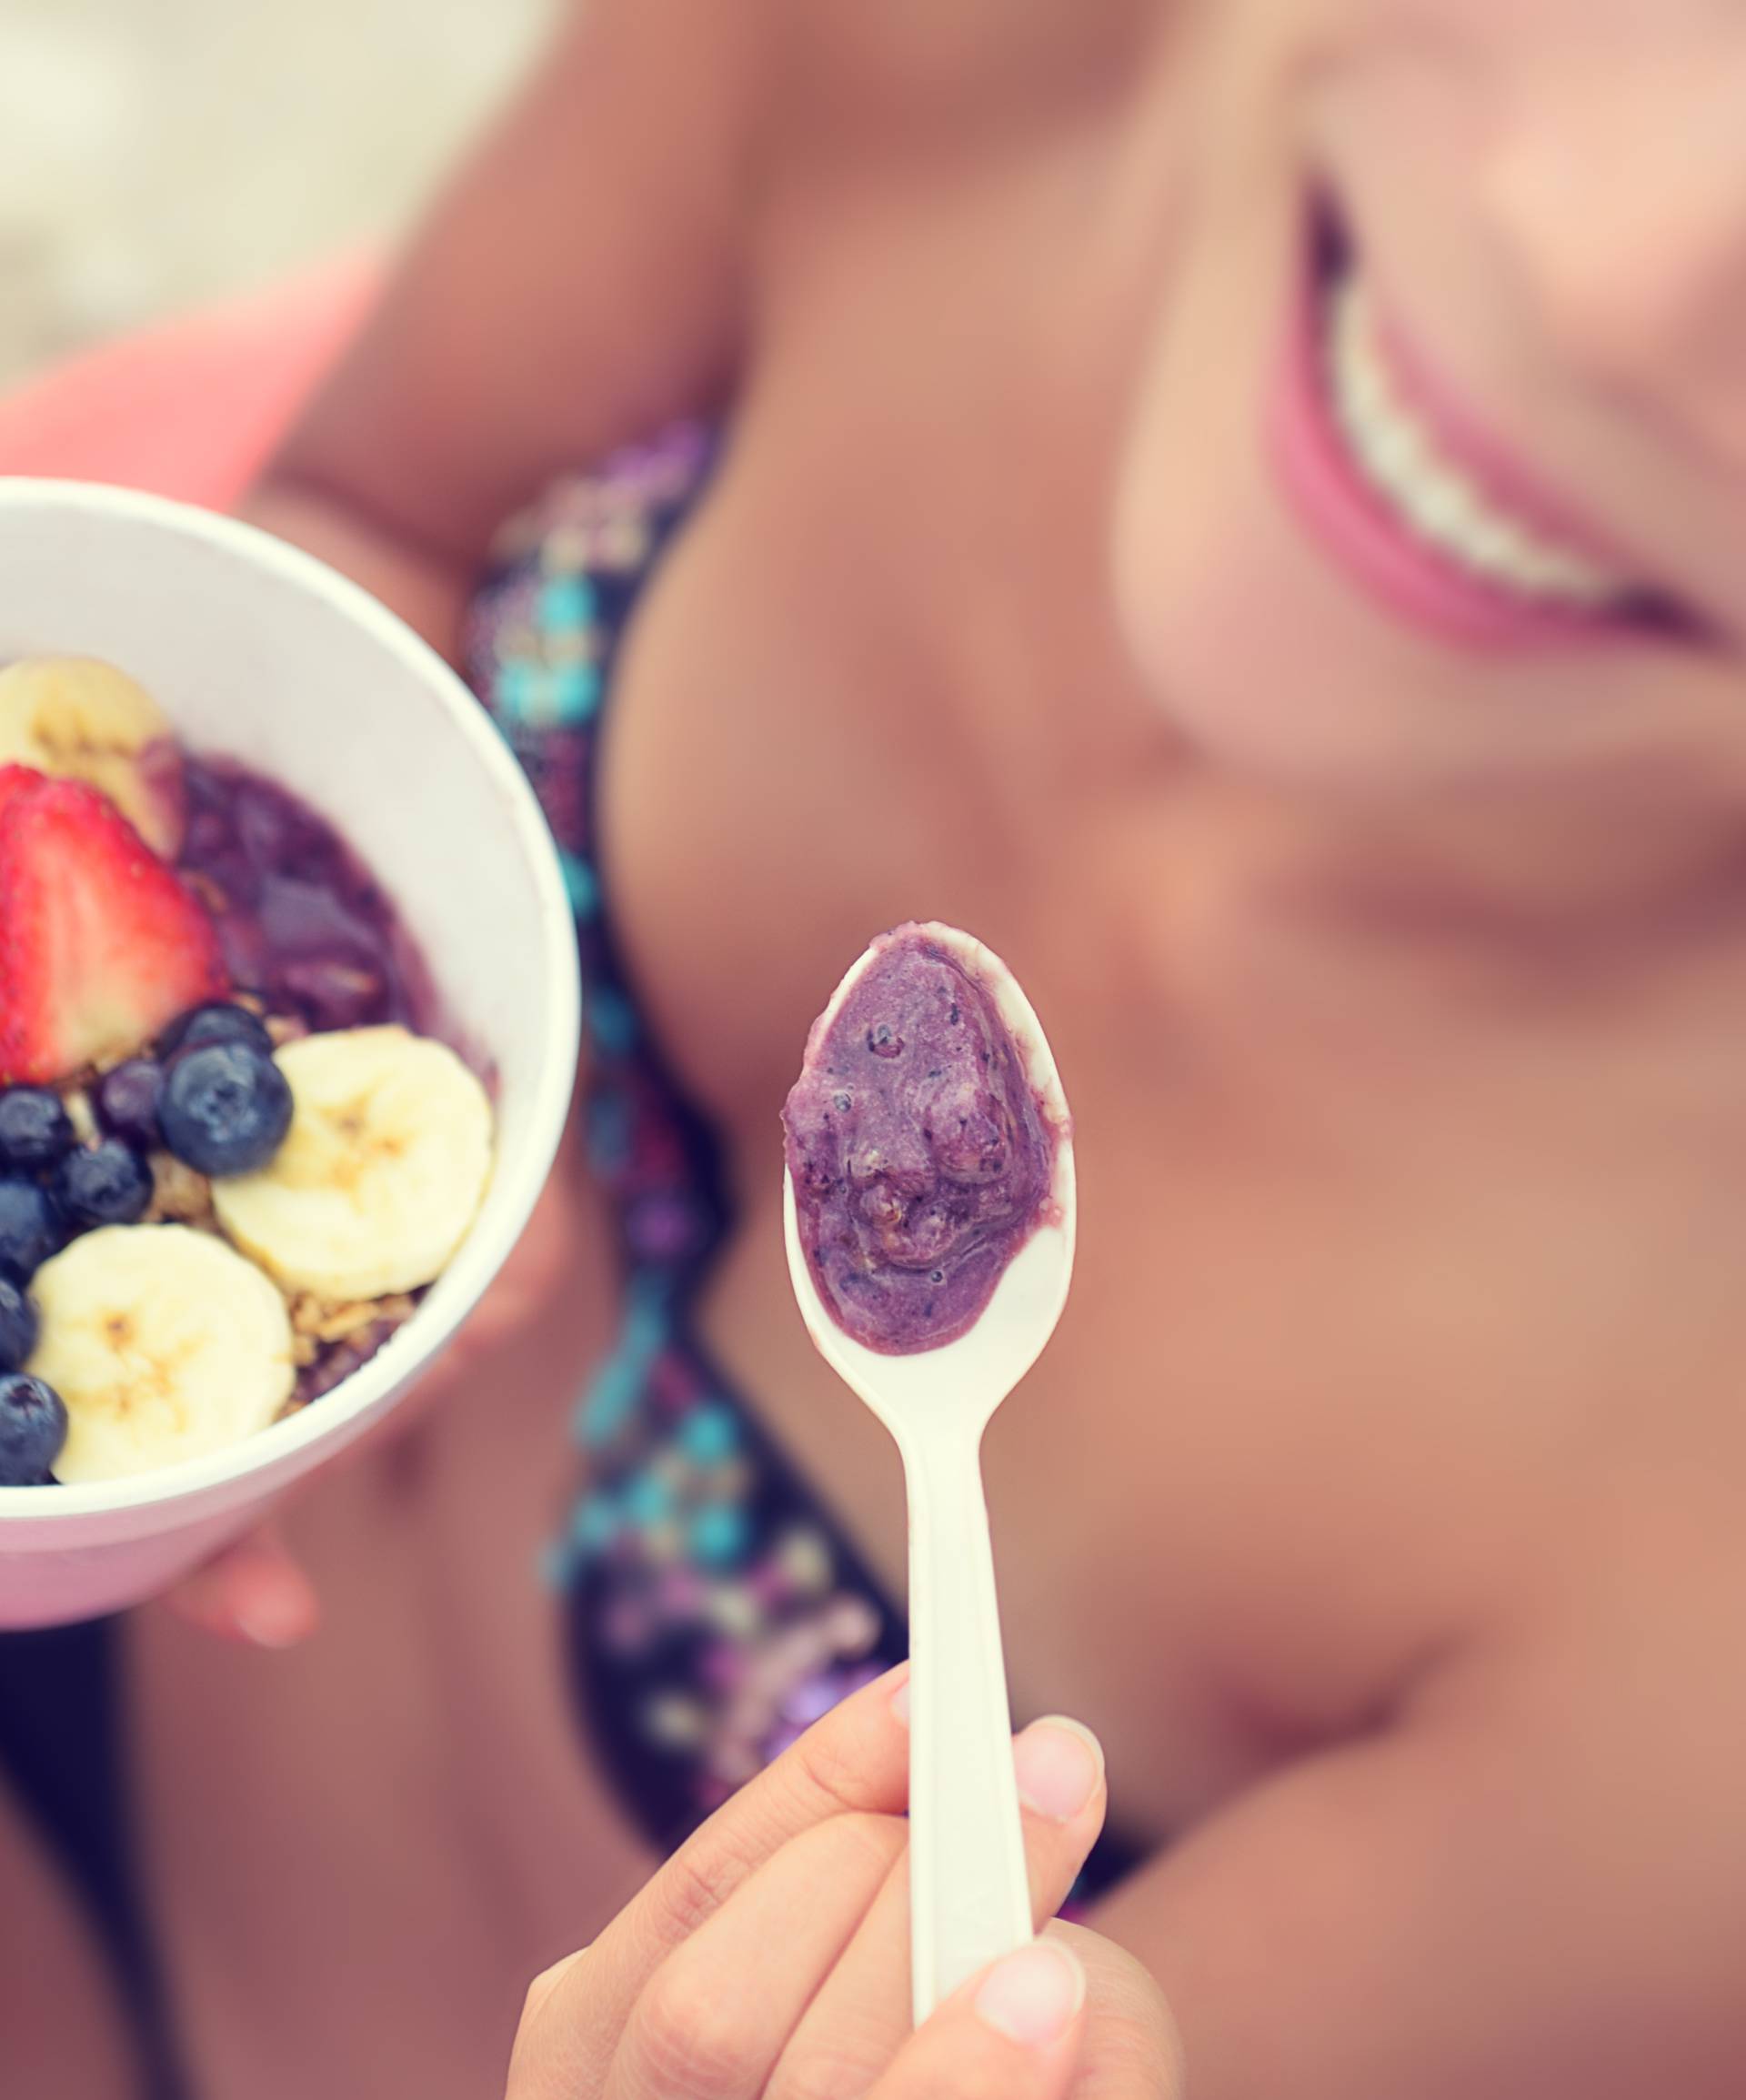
x: 163, y: 1343
x: 85, y: 720
x: 380, y: 1174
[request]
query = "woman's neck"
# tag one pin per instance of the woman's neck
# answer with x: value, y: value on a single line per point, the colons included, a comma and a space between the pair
x: 1266, y: 913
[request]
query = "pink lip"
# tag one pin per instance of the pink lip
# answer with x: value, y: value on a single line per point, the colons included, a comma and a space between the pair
x: 1347, y: 517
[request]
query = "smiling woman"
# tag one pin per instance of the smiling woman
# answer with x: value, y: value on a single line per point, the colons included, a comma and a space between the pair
x: 1242, y: 504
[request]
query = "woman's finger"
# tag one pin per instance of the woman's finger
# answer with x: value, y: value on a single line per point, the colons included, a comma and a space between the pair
x: 854, y: 1762
x: 860, y: 2017
x: 717, y: 2013
x: 1015, y: 2034
x: 1002, y: 2034
x: 253, y: 1592
x: 1131, y: 2049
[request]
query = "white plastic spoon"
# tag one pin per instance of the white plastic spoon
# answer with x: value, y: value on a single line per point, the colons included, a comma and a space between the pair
x: 969, y: 1897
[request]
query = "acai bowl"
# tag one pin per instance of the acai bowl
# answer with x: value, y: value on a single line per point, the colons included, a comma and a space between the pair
x: 289, y: 1027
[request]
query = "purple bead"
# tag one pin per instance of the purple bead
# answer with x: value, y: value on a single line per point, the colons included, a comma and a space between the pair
x: 722, y: 1668
x: 810, y: 1701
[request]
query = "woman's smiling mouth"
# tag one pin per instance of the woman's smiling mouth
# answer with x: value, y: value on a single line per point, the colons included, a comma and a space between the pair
x: 1396, y: 476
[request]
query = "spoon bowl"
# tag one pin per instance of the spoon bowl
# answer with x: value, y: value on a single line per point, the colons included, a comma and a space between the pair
x: 969, y: 1897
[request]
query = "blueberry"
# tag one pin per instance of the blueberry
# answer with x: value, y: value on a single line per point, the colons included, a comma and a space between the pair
x: 220, y: 1022
x: 34, y: 1129
x: 29, y: 1228
x: 126, y: 1103
x: 226, y: 1108
x: 17, y: 1326
x: 33, y: 1428
x: 105, y: 1184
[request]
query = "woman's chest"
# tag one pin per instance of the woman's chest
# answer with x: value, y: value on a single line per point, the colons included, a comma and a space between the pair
x: 1363, y: 1306
x: 879, y: 670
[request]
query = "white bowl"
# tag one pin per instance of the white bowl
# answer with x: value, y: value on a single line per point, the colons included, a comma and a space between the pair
x: 260, y: 653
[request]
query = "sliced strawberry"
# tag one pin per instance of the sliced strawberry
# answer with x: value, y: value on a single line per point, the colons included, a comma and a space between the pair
x: 100, y: 945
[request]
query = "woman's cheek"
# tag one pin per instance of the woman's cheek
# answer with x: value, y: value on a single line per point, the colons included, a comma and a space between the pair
x: 1259, y: 652
x: 1223, y: 616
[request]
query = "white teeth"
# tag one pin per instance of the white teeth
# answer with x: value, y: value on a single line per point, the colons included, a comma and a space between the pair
x: 1431, y: 495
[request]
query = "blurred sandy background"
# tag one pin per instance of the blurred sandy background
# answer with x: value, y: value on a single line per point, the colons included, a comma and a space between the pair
x: 157, y: 153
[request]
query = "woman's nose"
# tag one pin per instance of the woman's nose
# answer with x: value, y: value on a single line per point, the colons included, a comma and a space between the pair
x: 1618, y: 203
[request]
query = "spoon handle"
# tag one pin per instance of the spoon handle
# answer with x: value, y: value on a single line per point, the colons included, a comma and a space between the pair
x: 969, y: 1898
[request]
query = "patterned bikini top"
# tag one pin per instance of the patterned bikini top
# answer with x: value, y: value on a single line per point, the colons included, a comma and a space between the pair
x: 715, y: 1610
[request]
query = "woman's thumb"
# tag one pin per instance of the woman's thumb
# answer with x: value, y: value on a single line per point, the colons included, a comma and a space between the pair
x: 1016, y: 2031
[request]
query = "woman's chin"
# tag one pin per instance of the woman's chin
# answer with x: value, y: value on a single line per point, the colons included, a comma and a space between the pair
x: 1276, y: 673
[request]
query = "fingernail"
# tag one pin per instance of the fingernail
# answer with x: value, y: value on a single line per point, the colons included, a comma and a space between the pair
x: 271, y: 1621
x: 900, y: 1703
x: 1033, y: 1996
x: 1060, y: 1767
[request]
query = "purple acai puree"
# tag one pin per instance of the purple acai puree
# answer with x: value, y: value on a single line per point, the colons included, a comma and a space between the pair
x: 921, y: 1157
x: 307, y: 930
x: 302, y: 922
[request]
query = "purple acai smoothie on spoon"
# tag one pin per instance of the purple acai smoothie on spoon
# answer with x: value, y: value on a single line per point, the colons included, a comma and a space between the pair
x: 921, y: 1157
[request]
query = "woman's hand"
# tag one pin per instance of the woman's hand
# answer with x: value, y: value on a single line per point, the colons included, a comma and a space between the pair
x: 770, y: 1956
